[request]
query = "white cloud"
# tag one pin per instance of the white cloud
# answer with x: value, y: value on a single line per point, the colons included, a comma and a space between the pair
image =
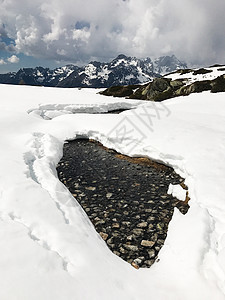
x: 82, y: 35
x: 2, y: 62
x: 13, y: 59
x: 76, y: 30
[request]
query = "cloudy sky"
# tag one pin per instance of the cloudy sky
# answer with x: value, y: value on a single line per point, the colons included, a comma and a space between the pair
x: 55, y: 32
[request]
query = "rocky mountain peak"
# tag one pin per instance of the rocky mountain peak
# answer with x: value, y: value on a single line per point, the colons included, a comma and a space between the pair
x: 167, y: 64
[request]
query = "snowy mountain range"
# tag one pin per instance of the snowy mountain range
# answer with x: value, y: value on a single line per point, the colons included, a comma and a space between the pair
x: 122, y: 70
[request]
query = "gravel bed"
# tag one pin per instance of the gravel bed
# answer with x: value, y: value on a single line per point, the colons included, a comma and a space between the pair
x: 126, y: 199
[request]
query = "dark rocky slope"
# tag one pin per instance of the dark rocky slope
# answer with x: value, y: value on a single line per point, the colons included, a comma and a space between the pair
x: 164, y: 88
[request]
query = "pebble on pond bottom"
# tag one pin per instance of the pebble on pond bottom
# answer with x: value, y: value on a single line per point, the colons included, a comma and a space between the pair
x: 126, y: 199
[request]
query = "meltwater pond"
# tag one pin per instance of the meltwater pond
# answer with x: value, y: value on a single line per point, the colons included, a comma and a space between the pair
x: 126, y: 199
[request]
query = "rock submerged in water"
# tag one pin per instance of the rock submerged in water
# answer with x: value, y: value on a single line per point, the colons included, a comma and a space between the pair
x: 146, y: 243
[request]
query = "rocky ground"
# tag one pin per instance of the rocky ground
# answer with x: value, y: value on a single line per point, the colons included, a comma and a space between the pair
x: 126, y: 199
x: 164, y: 88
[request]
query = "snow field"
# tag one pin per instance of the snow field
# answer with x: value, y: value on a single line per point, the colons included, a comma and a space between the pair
x: 50, y: 250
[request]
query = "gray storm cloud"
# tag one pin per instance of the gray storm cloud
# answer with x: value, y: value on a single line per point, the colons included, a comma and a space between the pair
x: 81, y: 30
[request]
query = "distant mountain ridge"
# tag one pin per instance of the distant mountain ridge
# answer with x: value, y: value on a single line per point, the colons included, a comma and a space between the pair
x: 122, y: 70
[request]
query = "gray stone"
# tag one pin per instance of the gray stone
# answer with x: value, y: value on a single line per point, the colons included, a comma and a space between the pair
x: 110, y: 241
x: 149, y: 262
x: 138, y: 231
x: 126, y: 223
x: 100, y: 222
x: 154, y: 238
x: 139, y: 260
x: 122, y: 250
x: 115, y: 234
x: 132, y: 248
x: 104, y: 235
x: 116, y: 252
x: 151, y: 253
x: 115, y: 225
x: 150, y: 226
x: 91, y: 188
x: 160, y: 242
x: 146, y: 243
x: 109, y: 195
x: 142, y: 225
x: 151, y: 219
x: 130, y: 237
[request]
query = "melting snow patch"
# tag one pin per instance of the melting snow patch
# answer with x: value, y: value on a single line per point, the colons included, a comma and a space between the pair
x: 51, y: 111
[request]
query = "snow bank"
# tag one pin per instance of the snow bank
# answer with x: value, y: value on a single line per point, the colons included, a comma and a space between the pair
x: 49, y: 248
x: 213, y: 73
